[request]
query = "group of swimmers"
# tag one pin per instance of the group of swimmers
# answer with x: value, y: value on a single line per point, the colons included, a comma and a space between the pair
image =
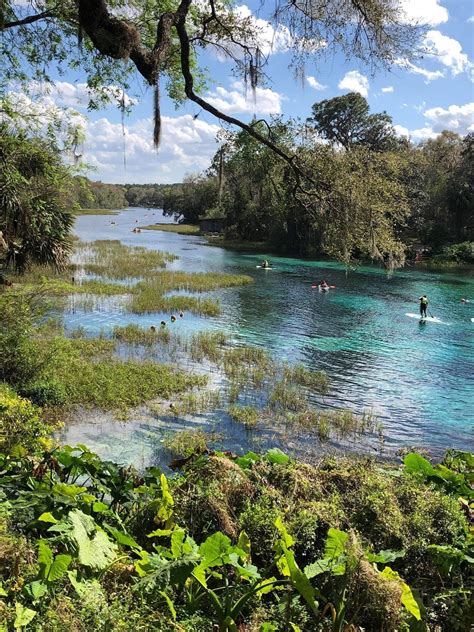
x: 163, y: 322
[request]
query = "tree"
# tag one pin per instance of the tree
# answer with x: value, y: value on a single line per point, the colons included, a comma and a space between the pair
x: 34, y: 222
x: 162, y: 39
x: 346, y: 120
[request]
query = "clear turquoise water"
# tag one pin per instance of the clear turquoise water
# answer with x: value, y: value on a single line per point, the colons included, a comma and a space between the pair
x: 418, y: 378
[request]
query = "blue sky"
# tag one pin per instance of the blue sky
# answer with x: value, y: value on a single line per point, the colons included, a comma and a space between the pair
x: 432, y: 94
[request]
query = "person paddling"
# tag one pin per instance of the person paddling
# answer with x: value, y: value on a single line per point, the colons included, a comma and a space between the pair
x: 265, y: 264
x: 323, y: 285
x: 423, y: 305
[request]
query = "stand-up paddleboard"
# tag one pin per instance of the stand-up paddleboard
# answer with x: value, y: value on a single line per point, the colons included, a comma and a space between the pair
x: 323, y: 289
x: 472, y: 320
x: 264, y: 267
x: 426, y: 319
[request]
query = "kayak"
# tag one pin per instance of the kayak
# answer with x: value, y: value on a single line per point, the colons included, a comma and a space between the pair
x: 426, y: 319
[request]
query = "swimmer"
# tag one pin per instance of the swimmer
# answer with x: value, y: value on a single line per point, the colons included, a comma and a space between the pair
x: 153, y: 328
x: 173, y: 319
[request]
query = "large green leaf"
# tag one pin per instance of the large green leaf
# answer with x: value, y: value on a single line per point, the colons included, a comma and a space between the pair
x: 122, y: 538
x: 213, y: 549
x: 24, y: 616
x: 408, y: 600
x: 45, y: 558
x: 59, y: 567
x: 300, y: 581
x: 96, y: 551
x: 287, y: 538
x: 274, y: 455
x: 416, y: 464
x: 336, y: 542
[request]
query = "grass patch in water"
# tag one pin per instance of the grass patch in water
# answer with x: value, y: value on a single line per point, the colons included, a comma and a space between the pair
x: 148, y: 302
x: 184, y: 443
x: 136, y: 335
x: 207, y: 345
x: 341, y: 423
x: 95, y: 211
x: 246, y: 415
x: 114, y: 260
x: 300, y: 375
x: 181, y: 229
x: 92, y: 377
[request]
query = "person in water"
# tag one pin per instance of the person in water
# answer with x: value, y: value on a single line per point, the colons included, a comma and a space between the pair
x: 324, y: 285
x: 423, y: 305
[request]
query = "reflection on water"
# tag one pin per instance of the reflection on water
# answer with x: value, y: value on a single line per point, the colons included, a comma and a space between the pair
x: 418, y: 378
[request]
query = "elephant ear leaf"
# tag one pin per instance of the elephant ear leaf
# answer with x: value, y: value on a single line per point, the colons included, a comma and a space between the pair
x: 59, y: 567
x: 96, y: 550
x: 23, y: 617
x: 408, y: 600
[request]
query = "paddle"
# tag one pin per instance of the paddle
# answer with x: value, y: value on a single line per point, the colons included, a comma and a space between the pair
x: 333, y: 287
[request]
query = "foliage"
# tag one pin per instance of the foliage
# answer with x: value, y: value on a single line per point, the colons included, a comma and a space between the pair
x: 35, y: 222
x: 21, y: 422
x: 346, y: 120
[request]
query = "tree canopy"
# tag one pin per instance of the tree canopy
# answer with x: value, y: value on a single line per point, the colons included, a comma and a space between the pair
x: 346, y: 120
x: 161, y: 40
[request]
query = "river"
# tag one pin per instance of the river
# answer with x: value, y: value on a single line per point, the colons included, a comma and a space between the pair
x: 417, y: 378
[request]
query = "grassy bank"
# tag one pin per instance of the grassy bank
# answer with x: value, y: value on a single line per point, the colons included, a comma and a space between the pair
x: 95, y: 211
x: 239, y: 245
x: 181, y: 229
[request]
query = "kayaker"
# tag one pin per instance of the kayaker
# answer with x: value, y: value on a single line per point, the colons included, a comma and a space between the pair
x: 423, y: 305
x: 323, y: 285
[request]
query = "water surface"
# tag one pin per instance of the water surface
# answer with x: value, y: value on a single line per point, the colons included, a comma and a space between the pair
x: 418, y: 378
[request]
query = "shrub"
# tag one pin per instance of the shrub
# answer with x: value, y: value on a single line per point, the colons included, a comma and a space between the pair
x: 45, y: 392
x: 20, y: 421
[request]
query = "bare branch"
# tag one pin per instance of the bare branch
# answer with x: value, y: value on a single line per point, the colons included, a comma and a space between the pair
x: 28, y: 20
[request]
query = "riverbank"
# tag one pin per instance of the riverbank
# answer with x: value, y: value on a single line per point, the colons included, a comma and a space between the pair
x: 260, y: 541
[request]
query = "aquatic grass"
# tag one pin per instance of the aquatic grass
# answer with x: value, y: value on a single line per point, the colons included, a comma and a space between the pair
x: 93, y: 377
x: 114, y: 260
x: 341, y: 423
x: 181, y: 229
x: 299, y: 374
x: 184, y: 443
x: 246, y: 415
x: 287, y: 397
x: 149, y: 302
x: 136, y: 335
x: 175, y: 280
x: 195, y: 403
x: 207, y: 345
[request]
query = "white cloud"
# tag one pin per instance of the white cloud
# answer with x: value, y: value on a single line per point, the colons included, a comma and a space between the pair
x: 315, y: 84
x: 270, y: 39
x: 423, y: 12
x: 448, y: 51
x: 388, y: 89
x: 456, y: 118
x: 187, y: 144
x: 429, y: 75
x: 78, y: 95
x: 355, y: 82
x: 238, y: 100
x: 471, y: 19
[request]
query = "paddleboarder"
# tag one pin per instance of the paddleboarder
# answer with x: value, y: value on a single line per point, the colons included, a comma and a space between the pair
x: 423, y: 306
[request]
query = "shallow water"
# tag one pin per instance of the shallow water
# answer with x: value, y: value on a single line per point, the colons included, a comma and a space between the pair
x: 417, y: 377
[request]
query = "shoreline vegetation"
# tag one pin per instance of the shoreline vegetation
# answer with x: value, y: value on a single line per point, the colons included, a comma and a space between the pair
x: 95, y: 211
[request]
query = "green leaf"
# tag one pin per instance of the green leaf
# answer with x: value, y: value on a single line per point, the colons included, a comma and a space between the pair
x: 277, y: 456
x: 3, y: 592
x: 169, y: 603
x: 47, y: 517
x: 122, y: 538
x: 45, y: 558
x: 385, y: 556
x: 36, y: 589
x: 336, y: 542
x: 71, y: 491
x: 213, y: 549
x: 246, y: 461
x: 97, y: 551
x: 300, y: 581
x: 244, y: 544
x: 416, y: 464
x: 59, y: 567
x: 408, y: 600
x: 159, y: 533
x: 318, y: 567
x: 99, y: 507
x: 23, y: 617
x: 287, y: 538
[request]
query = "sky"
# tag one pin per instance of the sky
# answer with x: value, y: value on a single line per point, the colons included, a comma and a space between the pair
x: 423, y: 97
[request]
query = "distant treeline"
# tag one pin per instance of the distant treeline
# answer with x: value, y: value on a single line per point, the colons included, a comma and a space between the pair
x: 89, y: 194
